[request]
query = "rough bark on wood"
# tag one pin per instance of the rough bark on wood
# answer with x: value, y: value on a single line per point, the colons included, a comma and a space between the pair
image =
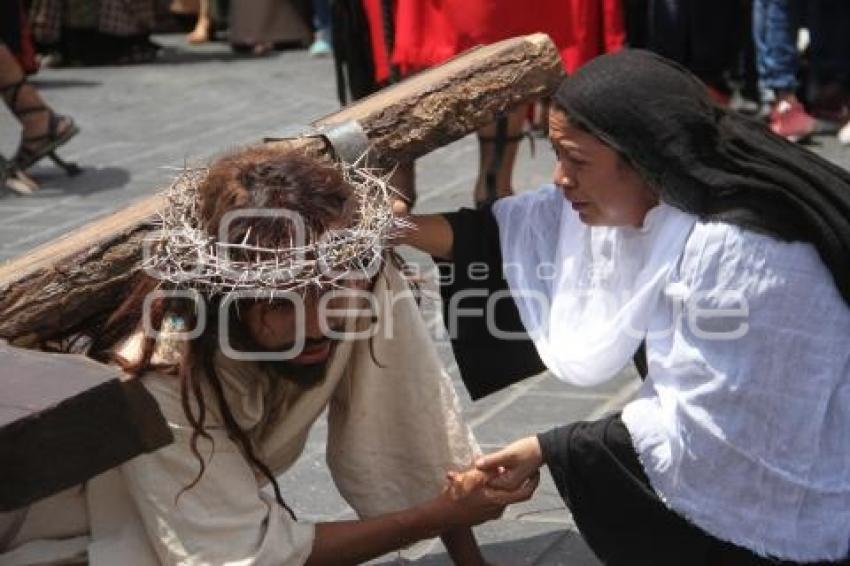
x: 64, y: 283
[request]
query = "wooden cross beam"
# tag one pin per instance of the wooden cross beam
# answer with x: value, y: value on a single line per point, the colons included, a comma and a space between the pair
x: 60, y: 285
x: 66, y: 419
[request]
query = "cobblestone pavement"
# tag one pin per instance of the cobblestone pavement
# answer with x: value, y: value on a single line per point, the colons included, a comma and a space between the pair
x: 139, y: 123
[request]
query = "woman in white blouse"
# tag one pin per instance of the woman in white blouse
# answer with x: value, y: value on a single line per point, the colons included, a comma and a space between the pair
x: 726, y: 250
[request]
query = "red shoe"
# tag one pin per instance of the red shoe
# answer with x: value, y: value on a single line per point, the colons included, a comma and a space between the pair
x: 719, y: 97
x: 791, y: 121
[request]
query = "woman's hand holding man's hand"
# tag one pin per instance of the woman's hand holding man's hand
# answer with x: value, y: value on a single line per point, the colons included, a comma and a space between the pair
x: 499, y: 479
x: 470, y: 499
x: 513, y: 465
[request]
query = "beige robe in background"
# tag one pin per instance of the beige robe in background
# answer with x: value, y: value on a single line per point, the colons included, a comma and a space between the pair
x: 393, y: 431
x: 267, y: 21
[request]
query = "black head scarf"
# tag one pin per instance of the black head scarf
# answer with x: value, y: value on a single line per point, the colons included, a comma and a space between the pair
x: 708, y: 161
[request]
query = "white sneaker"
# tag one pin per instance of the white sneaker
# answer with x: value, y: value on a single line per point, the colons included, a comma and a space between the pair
x: 844, y: 134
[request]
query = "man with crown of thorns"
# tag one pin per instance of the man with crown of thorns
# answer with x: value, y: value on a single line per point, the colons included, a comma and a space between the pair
x: 269, y: 295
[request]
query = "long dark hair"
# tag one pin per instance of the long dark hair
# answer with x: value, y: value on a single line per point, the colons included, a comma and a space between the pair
x: 256, y: 177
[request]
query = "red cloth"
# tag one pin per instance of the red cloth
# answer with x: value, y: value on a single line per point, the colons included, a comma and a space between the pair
x: 26, y: 55
x: 380, y: 56
x: 430, y: 31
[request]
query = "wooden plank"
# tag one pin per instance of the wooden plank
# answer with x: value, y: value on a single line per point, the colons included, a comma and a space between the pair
x: 66, y: 418
x: 64, y: 283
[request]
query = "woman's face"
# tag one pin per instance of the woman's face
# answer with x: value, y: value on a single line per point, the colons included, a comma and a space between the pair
x: 602, y: 187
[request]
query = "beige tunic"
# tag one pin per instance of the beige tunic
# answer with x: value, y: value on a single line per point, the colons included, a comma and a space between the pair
x: 266, y: 21
x: 394, y: 429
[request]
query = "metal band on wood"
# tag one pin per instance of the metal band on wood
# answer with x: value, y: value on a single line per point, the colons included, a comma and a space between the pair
x: 347, y: 139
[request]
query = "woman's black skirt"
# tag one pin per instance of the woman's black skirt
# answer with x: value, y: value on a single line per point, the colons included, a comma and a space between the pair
x: 623, y: 520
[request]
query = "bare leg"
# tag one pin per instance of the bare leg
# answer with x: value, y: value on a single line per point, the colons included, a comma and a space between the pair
x: 541, y: 117
x: 495, y: 171
x: 33, y: 123
x: 43, y: 131
x: 203, y: 27
x: 261, y: 49
x: 404, y: 180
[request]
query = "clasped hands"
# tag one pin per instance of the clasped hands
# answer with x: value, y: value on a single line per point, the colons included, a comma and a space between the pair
x: 495, y: 481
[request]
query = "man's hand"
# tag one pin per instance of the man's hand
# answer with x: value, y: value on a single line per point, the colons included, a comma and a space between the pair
x: 469, y: 500
x: 407, y: 224
x: 400, y: 208
x: 513, y: 465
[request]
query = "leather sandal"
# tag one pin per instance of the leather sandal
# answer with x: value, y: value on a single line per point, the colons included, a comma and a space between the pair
x: 14, y: 179
x: 34, y: 148
x: 501, y: 142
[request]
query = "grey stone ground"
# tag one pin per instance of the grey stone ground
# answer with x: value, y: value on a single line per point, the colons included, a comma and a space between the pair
x: 139, y: 122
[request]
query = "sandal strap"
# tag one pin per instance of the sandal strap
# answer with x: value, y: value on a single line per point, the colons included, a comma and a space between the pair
x: 31, y: 110
x: 53, y: 138
x: 500, y: 140
x: 12, y: 100
x: 54, y: 120
x: 15, y: 89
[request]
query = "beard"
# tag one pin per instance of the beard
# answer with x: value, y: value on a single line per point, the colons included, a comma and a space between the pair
x: 304, y: 375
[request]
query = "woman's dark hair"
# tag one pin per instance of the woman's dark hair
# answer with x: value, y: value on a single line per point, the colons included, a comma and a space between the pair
x: 710, y: 161
x: 256, y: 177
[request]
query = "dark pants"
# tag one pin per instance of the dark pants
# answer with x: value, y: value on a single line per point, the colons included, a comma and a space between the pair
x: 702, y: 36
x: 614, y: 506
x: 829, y: 53
x: 10, y: 24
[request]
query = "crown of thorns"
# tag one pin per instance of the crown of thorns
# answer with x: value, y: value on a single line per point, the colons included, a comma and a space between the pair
x: 183, y: 254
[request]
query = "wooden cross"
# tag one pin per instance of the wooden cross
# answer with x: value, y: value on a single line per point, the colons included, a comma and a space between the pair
x: 76, y: 278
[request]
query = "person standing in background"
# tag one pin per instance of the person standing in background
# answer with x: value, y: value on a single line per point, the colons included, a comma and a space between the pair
x: 407, y: 36
x: 42, y: 130
x: 322, y: 37
x: 257, y: 25
x: 95, y: 32
x: 701, y: 36
x: 775, y: 27
x: 430, y: 32
x: 829, y: 59
x: 203, y: 26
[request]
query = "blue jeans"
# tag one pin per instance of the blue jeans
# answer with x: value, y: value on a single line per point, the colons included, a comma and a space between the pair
x: 775, y: 26
x: 322, y: 18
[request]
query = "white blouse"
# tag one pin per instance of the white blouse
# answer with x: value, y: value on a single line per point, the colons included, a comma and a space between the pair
x: 743, y: 422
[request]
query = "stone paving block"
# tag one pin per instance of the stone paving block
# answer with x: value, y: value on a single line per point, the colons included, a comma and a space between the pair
x: 551, y: 384
x: 308, y: 489
x: 545, y: 507
x: 530, y: 544
x: 527, y: 416
x: 8, y: 235
x: 10, y: 215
